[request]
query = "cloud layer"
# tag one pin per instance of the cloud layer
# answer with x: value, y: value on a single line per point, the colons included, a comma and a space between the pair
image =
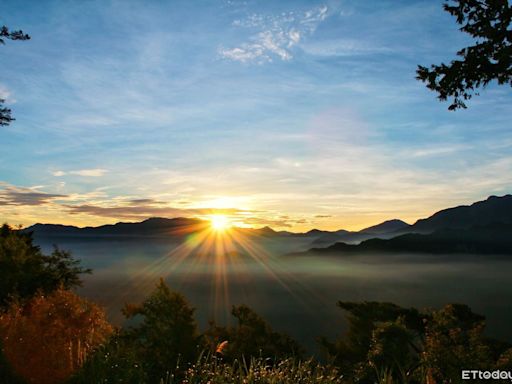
x: 274, y: 36
x: 12, y: 195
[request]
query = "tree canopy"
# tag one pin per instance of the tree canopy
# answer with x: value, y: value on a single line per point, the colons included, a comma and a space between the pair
x: 5, y: 34
x: 25, y: 270
x: 489, y: 22
x: 49, y: 337
x: 251, y: 337
x: 166, y: 335
x: 388, y: 343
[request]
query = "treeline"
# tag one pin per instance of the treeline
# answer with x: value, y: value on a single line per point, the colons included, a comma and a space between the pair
x: 48, y: 334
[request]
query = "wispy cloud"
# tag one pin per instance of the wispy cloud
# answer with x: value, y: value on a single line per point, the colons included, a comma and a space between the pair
x: 97, y: 204
x: 11, y: 195
x: 344, y: 47
x: 276, y: 223
x: 95, y: 172
x: 438, y: 150
x: 275, y: 36
x: 143, y: 208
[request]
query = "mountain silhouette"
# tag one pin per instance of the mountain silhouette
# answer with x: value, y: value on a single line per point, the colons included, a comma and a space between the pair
x: 155, y: 226
x: 463, y: 227
x: 484, y: 227
x: 384, y: 230
x: 386, y: 227
x: 489, y: 239
x: 493, y: 210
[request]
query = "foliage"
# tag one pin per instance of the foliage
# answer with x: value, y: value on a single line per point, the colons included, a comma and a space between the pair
x: 213, y: 370
x: 251, y: 337
x: 351, y: 352
x: 6, y: 372
x: 24, y: 269
x: 12, y: 35
x: 489, y: 22
x: 505, y: 360
x: 5, y: 113
x: 393, y: 349
x: 387, y: 343
x: 113, y: 362
x: 166, y: 335
x: 46, y: 339
x: 454, y: 339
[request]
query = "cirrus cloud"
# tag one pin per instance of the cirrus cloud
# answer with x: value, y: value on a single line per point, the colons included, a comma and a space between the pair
x: 274, y: 36
x: 96, y: 172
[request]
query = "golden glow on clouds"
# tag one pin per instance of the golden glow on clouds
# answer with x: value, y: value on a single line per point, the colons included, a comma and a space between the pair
x: 221, y: 202
x: 290, y: 212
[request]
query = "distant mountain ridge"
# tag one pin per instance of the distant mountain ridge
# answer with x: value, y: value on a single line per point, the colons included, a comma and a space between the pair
x: 387, y: 227
x: 483, y: 227
x: 158, y: 227
x: 492, y: 210
x: 489, y: 239
x: 155, y: 226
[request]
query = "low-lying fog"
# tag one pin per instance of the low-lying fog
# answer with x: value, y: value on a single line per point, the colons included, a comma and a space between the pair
x: 296, y: 294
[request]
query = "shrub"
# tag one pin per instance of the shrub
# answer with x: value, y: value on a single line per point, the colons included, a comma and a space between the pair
x: 113, y: 362
x: 47, y: 338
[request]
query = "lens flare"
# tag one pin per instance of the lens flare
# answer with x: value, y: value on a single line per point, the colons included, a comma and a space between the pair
x: 220, y: 251
x: 219, y: 222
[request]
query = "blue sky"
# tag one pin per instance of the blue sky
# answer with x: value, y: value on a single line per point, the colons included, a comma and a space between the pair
x: 294, y: 114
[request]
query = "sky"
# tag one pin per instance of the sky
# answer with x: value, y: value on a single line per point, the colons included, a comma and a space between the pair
x: 292, y: 114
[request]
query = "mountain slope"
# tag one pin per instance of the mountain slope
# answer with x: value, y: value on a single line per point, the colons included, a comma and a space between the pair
x: 384, y: 230
x: 490, y: 239
x: 493, y: 210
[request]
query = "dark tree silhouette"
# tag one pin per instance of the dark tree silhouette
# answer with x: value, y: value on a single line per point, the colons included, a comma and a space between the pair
x: 166, y: 334
x: 489, y: 22
x: 388, y: 343
x: 12, y: 35
x: 5, y: 113
x: 25, y: 270
x: 252, y: 337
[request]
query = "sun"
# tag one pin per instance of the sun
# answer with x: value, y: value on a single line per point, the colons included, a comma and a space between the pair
x: 219, y: 222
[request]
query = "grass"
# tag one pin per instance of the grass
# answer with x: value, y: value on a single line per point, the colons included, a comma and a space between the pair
x: 213, y: 370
